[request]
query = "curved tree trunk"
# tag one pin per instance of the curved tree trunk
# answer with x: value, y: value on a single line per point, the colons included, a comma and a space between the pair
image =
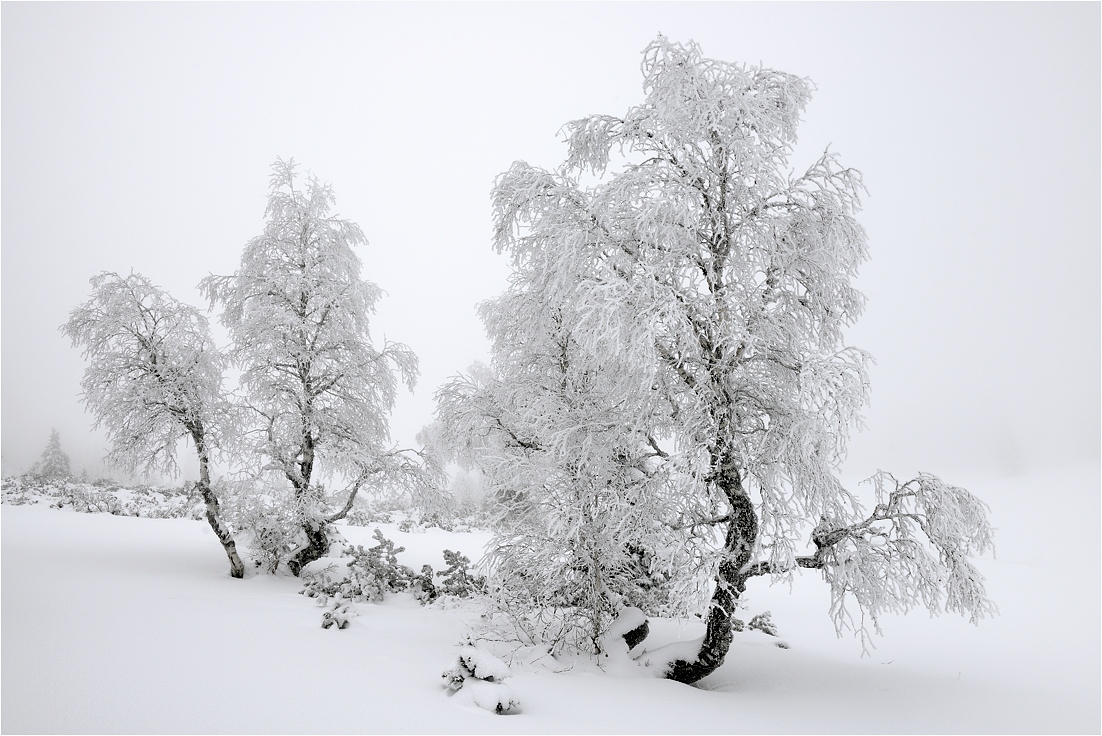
x: 214, y: 515
x: 214, y: 518
x: 317, y: 546
x: 742, y: 533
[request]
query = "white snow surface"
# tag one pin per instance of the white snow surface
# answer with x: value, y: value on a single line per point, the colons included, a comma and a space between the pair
x: 121, y: 625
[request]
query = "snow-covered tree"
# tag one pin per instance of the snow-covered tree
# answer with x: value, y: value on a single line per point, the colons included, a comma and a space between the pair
x: 154, y: 377
x: 702, y: 290
x: 54, y: 463
x: 574, y: 484
x: 316, y: 392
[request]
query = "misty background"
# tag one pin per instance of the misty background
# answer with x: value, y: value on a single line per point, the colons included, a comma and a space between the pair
x: 139, y: 136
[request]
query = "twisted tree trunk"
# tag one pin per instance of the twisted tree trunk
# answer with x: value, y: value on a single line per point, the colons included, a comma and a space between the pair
x: 317, y: 546
x: 317, y: 540
x: 742, y: 532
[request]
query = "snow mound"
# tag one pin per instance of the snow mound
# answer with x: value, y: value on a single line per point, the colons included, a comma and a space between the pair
x: 661, y: 659
x: 476, y: 678
x: 495, y: 697
x: 629, y: 620
x: 480, y: 665
x: 338, y: 618
x: 625, y: 633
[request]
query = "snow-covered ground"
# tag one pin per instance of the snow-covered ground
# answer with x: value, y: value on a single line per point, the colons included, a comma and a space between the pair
x: 122, y: 625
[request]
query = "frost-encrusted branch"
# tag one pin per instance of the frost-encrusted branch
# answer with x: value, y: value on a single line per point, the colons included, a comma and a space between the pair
x: 915, y: 548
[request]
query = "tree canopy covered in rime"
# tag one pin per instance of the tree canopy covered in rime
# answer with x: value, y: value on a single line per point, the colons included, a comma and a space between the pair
x: 297, y: 311
x: 674, y: 332
x: 315, y: 390
x: 154, y: 377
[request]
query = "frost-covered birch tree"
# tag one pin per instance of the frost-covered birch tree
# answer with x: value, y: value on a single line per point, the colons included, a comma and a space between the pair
x: 575, y: 486
x: 708, y: 286
x: 316, y: 392
x: 154, y: 377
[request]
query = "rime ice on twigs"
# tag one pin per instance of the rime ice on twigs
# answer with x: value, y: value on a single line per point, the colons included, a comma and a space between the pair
x: 671, y: 393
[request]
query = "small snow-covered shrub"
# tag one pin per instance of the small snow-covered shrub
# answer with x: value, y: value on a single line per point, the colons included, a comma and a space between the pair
x: 419, y: 522
x: 23, y: 489
x: 271, y: 527
x: 458, y: 580
x: 367, y: 575
x: 513, y: 629
x: 368, y: 510
x: 88, y: 500
x: 763, y: 622
x: 478, y: 677
x: 338, y: 617
x: 379, y: 568
x: 422, y: 587
x: 368, y: 516
x: 163, y: 503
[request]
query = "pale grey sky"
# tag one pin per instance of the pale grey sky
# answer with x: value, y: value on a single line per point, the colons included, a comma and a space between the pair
x: 139, y: 135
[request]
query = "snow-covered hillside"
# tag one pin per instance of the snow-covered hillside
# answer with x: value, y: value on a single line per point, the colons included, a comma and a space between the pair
x: 120, y: 624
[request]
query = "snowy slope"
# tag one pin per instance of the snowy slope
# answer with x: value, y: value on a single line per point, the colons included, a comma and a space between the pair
x: 114, y: 624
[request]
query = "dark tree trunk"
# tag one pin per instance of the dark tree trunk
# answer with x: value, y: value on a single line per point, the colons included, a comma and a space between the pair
x: 317, y: 541
x: 317, y: 546
x: 214, y: 515
x: 636, y: 636
x: 742, y: 532
x: 214, y: 518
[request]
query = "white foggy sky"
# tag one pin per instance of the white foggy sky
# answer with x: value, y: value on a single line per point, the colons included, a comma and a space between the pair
x: 139, y: 136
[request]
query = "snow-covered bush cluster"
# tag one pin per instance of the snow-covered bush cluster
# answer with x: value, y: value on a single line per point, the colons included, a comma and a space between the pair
x: 104, y: 497
x: 478, y: 678
x: 367, y: 574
